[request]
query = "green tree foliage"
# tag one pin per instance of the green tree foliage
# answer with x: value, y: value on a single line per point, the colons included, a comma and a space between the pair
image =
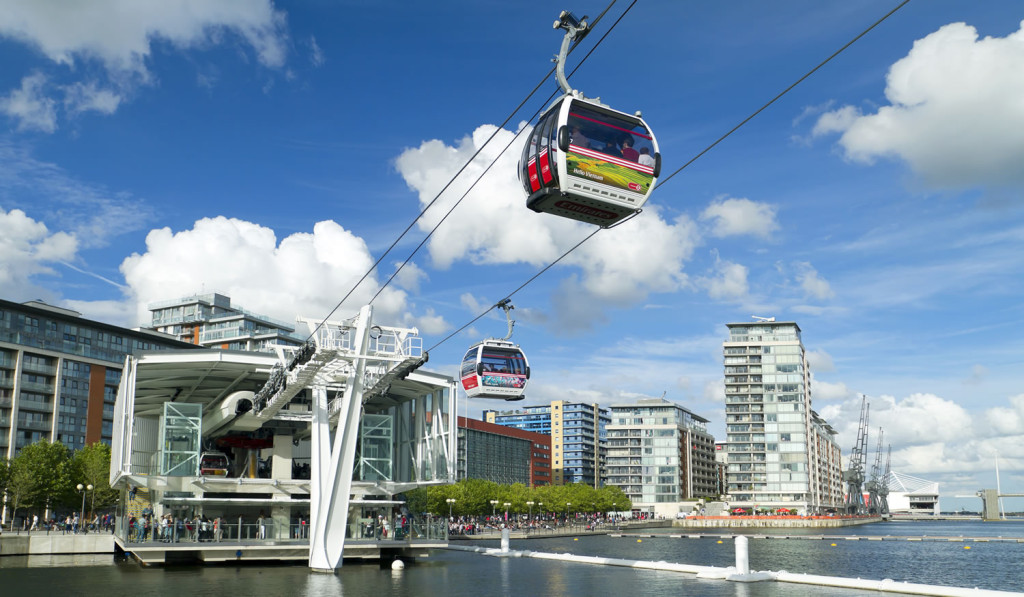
x: 91, y: 466
x: 5, y: 473
x: 39, y: 477
x: 473, y: 497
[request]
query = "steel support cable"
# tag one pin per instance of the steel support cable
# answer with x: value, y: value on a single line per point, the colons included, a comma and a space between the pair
x: 694, y: 158
x: 782, y: 93
x: 449, y: 183
x: 500, y: 154
x: 521, y: 286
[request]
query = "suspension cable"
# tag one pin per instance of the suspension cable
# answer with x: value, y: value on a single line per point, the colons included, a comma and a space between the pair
x: 693, y: 159
x: 449, y: 183
x: 500, y: 154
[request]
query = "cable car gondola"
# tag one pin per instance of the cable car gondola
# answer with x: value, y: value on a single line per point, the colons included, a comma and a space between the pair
x: 496, y: 368
x: 584, y: 160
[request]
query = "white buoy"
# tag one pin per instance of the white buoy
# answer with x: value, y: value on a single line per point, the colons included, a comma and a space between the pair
x: 398, y: 565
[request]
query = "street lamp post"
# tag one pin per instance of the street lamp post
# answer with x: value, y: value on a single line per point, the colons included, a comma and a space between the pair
x: 567, y: 504
x: 507, y: 504
x: 494, y: 504
x: 530, y: 505
x: 82, y: 489
x: 450, y: 502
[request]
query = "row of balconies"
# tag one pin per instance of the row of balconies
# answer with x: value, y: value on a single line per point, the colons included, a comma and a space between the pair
x: 742, y: 379
x: 35, y: 405
x: 30, y: 366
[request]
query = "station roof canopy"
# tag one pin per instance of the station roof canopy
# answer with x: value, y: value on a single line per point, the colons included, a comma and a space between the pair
x: 196, y: 376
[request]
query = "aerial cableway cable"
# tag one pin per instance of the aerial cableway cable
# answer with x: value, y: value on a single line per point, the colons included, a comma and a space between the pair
x: 693, y: 159
x: 782, y: 93
x: 449, y: 183
x: 500, y: 154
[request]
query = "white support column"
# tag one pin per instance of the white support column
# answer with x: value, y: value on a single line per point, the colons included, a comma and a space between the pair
x: 332, y: 482
x: 319, y: 462
x: 281, y: 459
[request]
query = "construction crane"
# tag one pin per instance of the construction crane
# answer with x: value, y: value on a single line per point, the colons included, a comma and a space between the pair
x: 883, y: 489
x: 874, y: 484
x: 854, y: 475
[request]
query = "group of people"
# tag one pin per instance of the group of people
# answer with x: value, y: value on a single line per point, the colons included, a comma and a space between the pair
x: 168, y: 529
x: 386, y: 527
x: 69, y: 524
x: 622, y: 147
x: 471, y: 525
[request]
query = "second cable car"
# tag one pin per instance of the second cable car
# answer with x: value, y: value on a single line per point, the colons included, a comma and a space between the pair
x: 585, y: 160
x: 495, y: 368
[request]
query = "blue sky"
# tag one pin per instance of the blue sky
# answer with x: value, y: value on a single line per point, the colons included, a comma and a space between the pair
x: 273, y: 152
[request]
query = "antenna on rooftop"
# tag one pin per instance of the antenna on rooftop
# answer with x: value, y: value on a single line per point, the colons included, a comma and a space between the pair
x: 765, y: 319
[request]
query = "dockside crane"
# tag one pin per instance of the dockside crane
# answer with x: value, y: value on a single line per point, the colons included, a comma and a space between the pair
x: 883, y: 489
x: 874, y: 484
x: 854, y: 475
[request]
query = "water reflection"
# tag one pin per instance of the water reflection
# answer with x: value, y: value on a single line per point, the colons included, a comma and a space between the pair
x: 325, y: 585
x: 56, y: 561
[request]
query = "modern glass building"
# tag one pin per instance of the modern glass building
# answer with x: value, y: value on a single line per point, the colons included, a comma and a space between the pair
x: 577, y: 433
x: 210, y: 320
x: 781, y: 454
x: 59, y: 374
x: 660, y: 454
x: 501, y: 454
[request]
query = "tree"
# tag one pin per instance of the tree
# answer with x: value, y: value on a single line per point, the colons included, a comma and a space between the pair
x: 39, y: 477
x: 91, y: 466
x: 473, y: 497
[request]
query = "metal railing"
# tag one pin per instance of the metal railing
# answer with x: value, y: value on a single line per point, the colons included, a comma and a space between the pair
x: 151, y: 530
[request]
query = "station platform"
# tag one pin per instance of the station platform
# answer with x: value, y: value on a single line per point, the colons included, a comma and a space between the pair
x: 156, y: 553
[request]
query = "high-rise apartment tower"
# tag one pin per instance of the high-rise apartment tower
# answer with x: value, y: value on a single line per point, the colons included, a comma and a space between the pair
x: 781, y: 454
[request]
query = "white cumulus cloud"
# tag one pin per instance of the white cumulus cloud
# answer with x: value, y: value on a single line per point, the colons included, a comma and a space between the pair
x: 120, y: 36
x: 492, y: 225
x: 29, y: 250
x: 304, y: 274
x: 729, y: 281
x: 954, y: 113
x: 1007, y: 421
x: 735, y: 217
x: 812, y: 283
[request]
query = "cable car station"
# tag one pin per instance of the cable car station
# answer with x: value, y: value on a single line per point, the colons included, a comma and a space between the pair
x: 303, y: 455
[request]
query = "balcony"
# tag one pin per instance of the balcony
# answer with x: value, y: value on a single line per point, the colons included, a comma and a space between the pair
x: 34, y: 425
x: 28, y: 366
x: 35, y: 405
x: 34, y: 386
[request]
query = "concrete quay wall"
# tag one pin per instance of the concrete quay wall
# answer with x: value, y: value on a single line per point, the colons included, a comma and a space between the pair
x: 41, y: 544
x: 771, y: 522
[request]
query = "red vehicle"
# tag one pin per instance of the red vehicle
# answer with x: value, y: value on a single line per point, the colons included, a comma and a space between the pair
x: 213, y: 464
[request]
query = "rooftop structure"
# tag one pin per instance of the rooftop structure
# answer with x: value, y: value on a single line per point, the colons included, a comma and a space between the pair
x: 912, y: 495
x: 210, y: 320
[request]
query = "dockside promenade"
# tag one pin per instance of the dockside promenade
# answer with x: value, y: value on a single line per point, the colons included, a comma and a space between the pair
x: 43, y: 543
